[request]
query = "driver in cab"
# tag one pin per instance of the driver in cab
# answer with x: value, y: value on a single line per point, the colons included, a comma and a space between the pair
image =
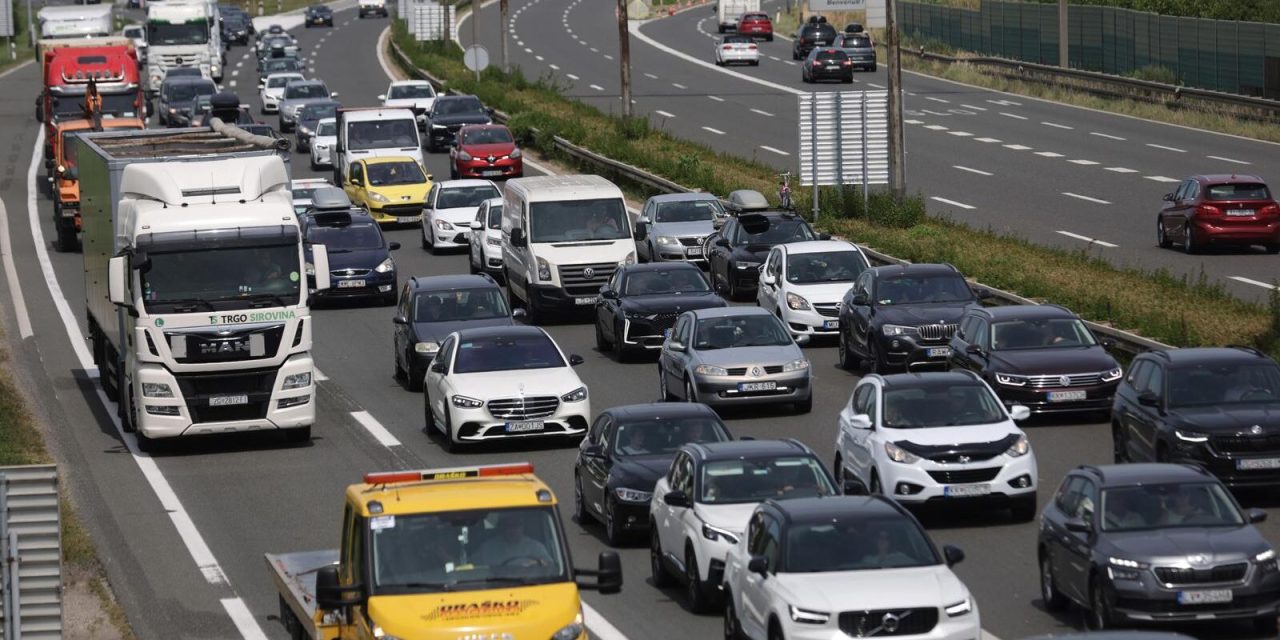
x: 510, y: 546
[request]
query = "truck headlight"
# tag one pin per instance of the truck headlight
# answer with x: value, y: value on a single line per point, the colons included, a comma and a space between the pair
x: 577, y: 395
x: 426, y: 346
x: 796, y: 302
x: 464, y: 402
x: 899, y: 455
x: 386, y: 266
x: 378, y: 197
x: 156, y: 390
x: 808, y: 616
x: 632, y: 495
x: 297, y: 381
x: 710, y: 370
x: 544, y: 271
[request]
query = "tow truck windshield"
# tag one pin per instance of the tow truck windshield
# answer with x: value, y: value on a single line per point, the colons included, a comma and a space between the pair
x: 164, y: 33
x: 220, y: 279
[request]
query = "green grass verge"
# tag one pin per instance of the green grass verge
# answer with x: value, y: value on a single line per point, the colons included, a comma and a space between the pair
x: 1157, y: 305
x: 21, y: 51
x: 1247, y: 10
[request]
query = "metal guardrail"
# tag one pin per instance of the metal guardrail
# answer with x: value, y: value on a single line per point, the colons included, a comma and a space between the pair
x: 1125, y: 341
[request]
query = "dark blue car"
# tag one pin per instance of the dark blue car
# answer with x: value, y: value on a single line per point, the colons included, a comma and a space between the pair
x: 360, y: 263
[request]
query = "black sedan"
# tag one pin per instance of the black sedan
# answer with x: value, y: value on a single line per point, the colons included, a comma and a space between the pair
x: 309, y: 117
x: 827, y: 64
x: 360, y: 264
x: 451, y: 113
x: 431, y: 308
x: 319, y: 15
x: 235, y: 29
x: 625, y: 452
x: 641, y: 302
x: 736, y: 251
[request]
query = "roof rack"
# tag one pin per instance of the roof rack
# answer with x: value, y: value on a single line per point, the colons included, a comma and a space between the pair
x: 1248, y: 349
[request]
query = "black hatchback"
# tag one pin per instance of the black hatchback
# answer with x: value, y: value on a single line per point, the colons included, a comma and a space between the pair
x: 827, y: 64
x: 641, y: 301
x: 319, y: 15
x: 814, y: 33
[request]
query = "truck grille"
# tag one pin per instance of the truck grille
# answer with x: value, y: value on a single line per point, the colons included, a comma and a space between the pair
x: 224, y: 346
x: 877, y: 623
x: 585, y: 279
x: 937, y: 331
x: 1227, y: 573
x: 530, y: 408
x: 1072, y: 380
x: 1246, y: 444
x: 198, y: 388
x: 962, y: 476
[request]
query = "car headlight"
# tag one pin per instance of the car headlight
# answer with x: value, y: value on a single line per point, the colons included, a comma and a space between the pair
x: 378, y: 197
x: 303, y: 130
x: 666, y: 240
x: 493, y: 242
x: 1112, y: 375
x: 632, y: 495
x: 1125, y: 569
x: 900, y: 455
x: 172, y: 111
x: 748, y: 265
x: 426, y: 346
x: 898, y: 330
x: 1265, y: 556
x: 568, y: 632
x: 796, y: 302
x: 1011, y: 380
x: 577, y: 395
x: 1126, y: 563
x: 156, y: 390
x: 795, y: 365
x: 464, y: 402
x: 464, y: 156
x: 808, y: 616
x: 514, y: 154
x: 716, y: 533
x: 959, y: 608
x: 710, y: 370
x: 296, y: 381
x: 321, y: 147
x: 386, y: 266
x: 630, y: 259
x: 544, y: 270
x: 1190, y: 436
x: 444, y: 225
x: 1020, y: 448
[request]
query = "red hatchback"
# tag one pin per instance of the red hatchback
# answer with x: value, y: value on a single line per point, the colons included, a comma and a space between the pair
x: 1220, y: 210
x: 756, y: 25
x: 485, y: 151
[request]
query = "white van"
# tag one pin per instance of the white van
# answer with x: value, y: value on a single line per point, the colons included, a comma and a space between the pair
x: 373, y: 132
x: 563, y: 237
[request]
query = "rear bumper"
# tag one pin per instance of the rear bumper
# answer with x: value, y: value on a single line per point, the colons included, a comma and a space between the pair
x: 1262, y: 232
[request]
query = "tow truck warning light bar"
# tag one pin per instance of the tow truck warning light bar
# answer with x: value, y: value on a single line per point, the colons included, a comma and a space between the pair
x: 454, y: 473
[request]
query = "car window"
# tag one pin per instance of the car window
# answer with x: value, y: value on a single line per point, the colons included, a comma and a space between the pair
x: 1193, y: 190
x: 346, y: 238
x: 1180, y: 194
x: 507, y: 353
x: 858, y: 544
x: 597, y: 428
x: 1139, y: 374
x: 687, y: 211
x: 402, y: 308
x: 861, y: 395
x: 968, y: 328
x: 408, y: 92
x: 738, y: 40
x: 755, y: 535
x: 326, y: 129
x: 1155, y: 382
x: 495, y: 216
x: 1040, y: 334
x: 929, y: 288
x: 727, y: 332
x: 1190, y: 504
x: 1068, y: 495
x: 607, y: 434
x: 664, y: 435
x: 982, y: 334
x: 1087, y: 505
x: 1238, y: 191
x: 303, y: 91
x: 465, y: 197
x: 863, y: 284
x: 746, y: 480
x: 458, y: 106
x: 650, y: 283
x: 460, y: 305
x: 681, y: 478
x: 487, y: 135
x: 772, y: 546
x: 826, y: 266
x: 833, y: 54
x: 774, y: 231
x: 385, y: 174
x: 1212, y: 385
x: 445, y: 355
x: 940, y: 405
x: 276, y: 82
x: 318, y: 111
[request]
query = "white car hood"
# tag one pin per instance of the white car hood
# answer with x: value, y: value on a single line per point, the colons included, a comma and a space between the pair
x: 730, y: 517
x: 324, y: 140
x: 503, y: 384
x: 457, y: 216
x: 944, y: 436
x: 273, y: 92
x: 836, y: 591
x: 823, y: 293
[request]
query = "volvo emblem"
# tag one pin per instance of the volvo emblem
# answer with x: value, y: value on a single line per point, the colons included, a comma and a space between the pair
x: 1198, y: 560
x: 890, y: 623
x: 1064, y: 381
x: 1256, y: 430
x: 757, y: 372
x: 589, y: 273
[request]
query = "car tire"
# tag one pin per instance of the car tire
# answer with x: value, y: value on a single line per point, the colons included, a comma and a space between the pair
x: 873, y: 68
x: 755, y: 63
x: 875, y: 489
x: 768, y: 38
x: 1100, y: 618
x: 875, y: 359
x: 579, y: 503
x: 845, y: 358
x: 314, y: 166
x: 448, y: 443
x: 1119, y: 445
x: 602, y: 345
x: 1052, y: 598
x: 399, y: 370
x: 690, y: 394
x: 146, y: 444
x: 1189, y: 241
x: 731, y: 289
x: 620, y: 351
x: 414, y: 377
x: 471, y: 263
x: 804, y: 406
x: 732, y: 631
x: 1162, y: 238
x: 775, y: 631
x: 613, y: 533
x: 1023, y: 509
x: 696, y: 592
x: 657, y: 565
x: 1273, y: 248
x: 719, y: 63
x: 664, y: 394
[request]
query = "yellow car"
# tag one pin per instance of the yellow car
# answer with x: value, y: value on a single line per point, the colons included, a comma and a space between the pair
x: 392, y: 188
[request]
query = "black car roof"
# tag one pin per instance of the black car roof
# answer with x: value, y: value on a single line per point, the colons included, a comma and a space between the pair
x: 498, y: 332
x: 658, y: 266
x: 914, y: 270
x: 1117, y: 475
x: 661, y: 410
x: 1026, y: 312
x: 1191, y: 356
x: 449, y: 283
x: 810, y: 510
x: 735, y: 449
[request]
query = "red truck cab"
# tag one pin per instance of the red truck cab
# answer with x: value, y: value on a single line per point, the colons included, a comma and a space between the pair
x: 68, y: 69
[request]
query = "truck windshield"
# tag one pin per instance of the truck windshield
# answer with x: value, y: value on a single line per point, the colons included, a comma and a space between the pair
x: 382, y: 134
x: 164, y: 33
x: 578, y: 220
x: 466, y: 550
x: 221, y: 279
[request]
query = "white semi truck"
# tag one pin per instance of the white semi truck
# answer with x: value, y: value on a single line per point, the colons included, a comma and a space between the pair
x: 75, y: 21
x: 196, y: 282
x: 183, y: 33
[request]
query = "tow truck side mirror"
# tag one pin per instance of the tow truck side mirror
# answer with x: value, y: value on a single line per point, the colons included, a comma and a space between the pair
x: 608, y: 574
x: 329, y: 593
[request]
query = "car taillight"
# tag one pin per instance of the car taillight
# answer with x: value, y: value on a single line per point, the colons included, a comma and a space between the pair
x: 752, y: 47
x: 847, y: 63
x: 1270, y: 210
x: 1207, y: 210
x: 728, y: 47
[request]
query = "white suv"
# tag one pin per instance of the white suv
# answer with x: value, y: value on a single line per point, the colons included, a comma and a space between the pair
x: 494, y: 383
x: 486, y: 239
x: 846, y: 567
x: 803, y: 283
x: 940, y: 436
x: 701, y: 506
x: 416, y: 95
x: 450, y: 207
x: 272, y: 89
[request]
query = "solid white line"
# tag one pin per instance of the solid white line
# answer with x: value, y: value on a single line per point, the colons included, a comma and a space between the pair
x: 1056, y: 125
x: 1090, y: 241
x: 875, y: 86
x: 572, y: 77
x: 1085, y: 198
x: 952, y: 202
x: 971, y: 170
x: 988, y: 140
x: 1105, y: 135
x: 1012, y: 115
x: 678, y: 85
x: 763, y: 113
x: 962, y: 134
x: 1017, y: 147
x: 715, y: 131
x: 1160, y: 146
x: 1161, y: 178
x: 777, y: 151
x: 382, y: 56
x: 665, y: 114
x: 634, y: 27
x: 1227, y: 160
x: 599, y: 626
x: 716, y: 98
x: 969, y: 106
x: 243, y: 619
x: 320, y: 376
x: 11, y: 274
x: 375, y: 428
x: 1049, y: 154
x: 596, y: 87
x: 1122, y: 170
x: 1087, y: 163
x: 937, y: 99
x: 1252, y: 282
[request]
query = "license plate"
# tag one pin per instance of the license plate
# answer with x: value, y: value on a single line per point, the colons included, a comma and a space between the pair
x: 833, y: 67
x: 489, y: 173
x: 1257, y: 463
x: 525, y: 427
x: 831, y: 324
x: 939, y: 352
x: 1067, y: 396
x: 350, y: 284
x: 1240, y: 212
x: 228, y: 401
x: 584, y: 301
x: 1207, y: 596
x: 966, y: 490
x: 757, y: 386
x: 693, y: 252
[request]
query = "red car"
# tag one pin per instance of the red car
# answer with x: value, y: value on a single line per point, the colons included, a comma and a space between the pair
x: 1220, y: 210
x: 485, y: 151
x: 756, y: 25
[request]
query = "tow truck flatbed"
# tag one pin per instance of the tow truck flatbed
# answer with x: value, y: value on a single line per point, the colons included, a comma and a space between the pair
x: 294, y: 575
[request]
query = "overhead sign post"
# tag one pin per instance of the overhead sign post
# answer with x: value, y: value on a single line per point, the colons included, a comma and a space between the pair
x: 844, y: 139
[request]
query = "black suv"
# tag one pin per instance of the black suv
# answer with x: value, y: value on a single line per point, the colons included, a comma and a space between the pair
x: 1155, y: 543
x: 1040, y: 356
x: 319, y: 14
x: 1215, y: 407
x: 431, y: 308
x: 450, y: 113
x: 737, y: 249
x: 814, y: 33
x: 641, y: 301
x: 901, y: 317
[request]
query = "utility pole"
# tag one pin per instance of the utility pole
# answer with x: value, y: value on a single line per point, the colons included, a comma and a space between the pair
x: 31, y: 30
x: 897, y: 142
x: 503, y: 9
x: 1064, y: 45
x: 624, y: 57
x: 475, y: 33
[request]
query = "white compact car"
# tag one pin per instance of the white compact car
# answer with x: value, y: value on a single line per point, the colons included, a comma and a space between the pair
x: 323, y: 142
x: 416, y: 95
x: 935, y: 437
x: 303, y: 189
x: 485, y: 239
x: 843, y: 567
x: 272, y: 89
x: 493, y: 383
x: 734, y: 49
x: 803, y: 283
x: 451, y: 206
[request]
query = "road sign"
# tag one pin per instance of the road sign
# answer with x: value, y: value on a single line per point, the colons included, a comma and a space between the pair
x: 844, y: 138
x: 874, y: 8
x: 476, y: 58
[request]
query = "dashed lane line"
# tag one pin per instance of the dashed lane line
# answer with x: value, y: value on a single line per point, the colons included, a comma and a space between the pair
x: 1017, y: 147
x: 596, y: 87
x: 1057, y: 126
x: 961, y: 134
x: 1086, y: 163
x: 988, y: 140
x: 937, y: 99
x: 1160, y: 146
x: 972, y: 170
x: 1012, y: 115
x: 1252, y: 282
x: 1122, y: 170
x: 1085, y: 198
x: 1101, y: 243
x: 953, y: 203
x: 1231, y: 160
x: 1049, y: 154
x: 712, y: 130
x: 1161, y: 178
x: 665, y: 114
x: 777, y: 151
x: 716, y: 98
x: 375, y: 428
x: 763, y: 113
x: 969, y: 106
x: 1106, y: 135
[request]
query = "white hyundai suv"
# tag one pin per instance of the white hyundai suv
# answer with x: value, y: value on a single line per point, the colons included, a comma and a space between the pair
x: 803, y: 283
x: 844, y: 567
x: 701, y: 506
x: 494, y: 383
x: 935, y: 437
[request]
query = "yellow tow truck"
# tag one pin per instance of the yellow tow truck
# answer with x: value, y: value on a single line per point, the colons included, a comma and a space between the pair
x: 468, y: 553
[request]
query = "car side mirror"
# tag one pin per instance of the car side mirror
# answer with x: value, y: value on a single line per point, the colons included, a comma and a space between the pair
x: 859, y: 299
x: 488, y: 110
x: 399, y: 320
x: 768, y: 279
x: 644, y: 220
x: 1168, y: 197
x: 517, y: 237
x: 356, y: 180
x: 320, y: 263
x: 975, y: 349
x: 117, y: 276
x: 954, y: 555
x: 608, y: 574
x: 641, y: 231
x: 593, y: 451
x: 393, y: 246
x: 824, y: 236
x: 575, y: 360
x: 1257, y: 516
x: 333, y: 94
x: 758, y: 564
x: 802, y: 339
x: 1148, y: 399
x: 981, y: 293
x: 437, y: 366
x: 860, y: 421
x: 518, y: 313
x: 607, y: 293
x: 677, y: 499
x: 722, y: 242
x: 676, y: 345
x: 1077, y: 525
x: 329, y: 594
x: 382, y: 96
x: 477, y: 226
x: 1019, y: 412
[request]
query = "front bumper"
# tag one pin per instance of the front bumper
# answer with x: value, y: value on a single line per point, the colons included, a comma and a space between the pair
x: 477, y: 425
x: 270, y: 104
x: 679, y: 252
x: 646, y: 331
x: 1147, y: 600
x: 454, y: 237
x: 373, y: 11
x: 371, y: 284
x: 396, y: 213
x: 963, y: 627
x: 1256, y: 464
x: 995, y: 481
x: 500, y: 168
x: 549, y: 296
x: 322, y: 155
x: 1097, y: 398
x: 492, y: 257
x: 728, y: 391
x: 191, y: 410
x: 810, y: 322
x: 909, y: 353
x: 1239, y: 234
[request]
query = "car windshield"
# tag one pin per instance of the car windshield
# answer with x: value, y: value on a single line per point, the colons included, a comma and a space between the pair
x: 410, y: 91
x: 834, y: 54
x: 461, y: 106
x: 506, y: 353
x: 756, y: 479
x: 382, y: 134
x: 344, y: 238
x: 318, y: 111
x: 385, y: 174
x: 134, y: 32
x: 665, y: 282
x: 282, y: 64
x: 167, y: 33
x: 687, y: 211
x: 460, y: 305
x: 663, y: 435
x: 755, y: 330
x: 774, y: 231
x: 306, y: 193
x: 922, y: 289
x: 487, y: 135
x: 579, y: 220
x: 279, y: 81
x: 1040, y: 334
x: 466, y: 551
x: 940, y: 406
x: 326, y: 129
x: 188, y: 91
x: 738, y: 40
x: 1209, y: 385
x: 465, y: 197
x: 218, y: 279
x: 495, y: 216
x: 828, y: 266
x: 1168, y: 505
x: 304, y: 91
x: 1238, y: 191
x: 857, y: 544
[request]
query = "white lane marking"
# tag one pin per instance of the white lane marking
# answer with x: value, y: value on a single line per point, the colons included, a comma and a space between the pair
x: 1017, y: 147
x: 1012, y: 115
x: 972, y: 170
x: 596, y: 87
x: 987, y: 140
x: 952, y: 202
x: 678, y: 85
x: 320, y: 375
x: 1105, y: 135
x: 1077, y: 236
x: 232, y: 84
x: 539, y: 58
x: 1057, y: 126
x: 1085, y: 198
x: 572, y: 77
x: 777, y: 151
x: 11, y: 274
x: 608, y: 57
x: 937, y: 99
x: 1005, y: 103
x: 1160, y: 146
x: 650, y: 76
x: 969, y: 106
x: 528, y: 50
x: 1161, y: 178
x: 1049, y: 154
x: 239, y: 64
x: 243, y: 619
x: 1252, y: 282
x: 1087, y: 163
x: 716, y: 98
x: 715, y: 131
x: 1122, y: 170
x: 763, y: 113
x: 382, y: 57
x: 935, y: 127
x: 875, y: 86
x: 665, y: 114
x: 375, y: 428
x: 519, y: 43
x: 235, y: 72
x: 914, y: 121
x: 599, y: 626
x: 594, y: 50
x: 775, y: 58
x: 1227, y: 160
x: 634, y: 28
x: 962, y: 134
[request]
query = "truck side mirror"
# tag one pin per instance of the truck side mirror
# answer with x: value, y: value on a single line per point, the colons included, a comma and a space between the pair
x: 117, y: 277
x: 642, y: 230
x: 329, y: 593
x: 517, y: 237
x: 320, y: 263
x: 608, y: 574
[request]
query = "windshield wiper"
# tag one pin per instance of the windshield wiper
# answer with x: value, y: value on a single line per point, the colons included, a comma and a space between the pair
x: 502, y: 579
x: 180, y: 305
x: 444, y: 586
x: 267, y: 297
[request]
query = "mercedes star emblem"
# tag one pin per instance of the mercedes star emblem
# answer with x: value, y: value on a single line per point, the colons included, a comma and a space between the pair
x: 588, y: 273
x: 1064, y: 381
x: 1256, y: 430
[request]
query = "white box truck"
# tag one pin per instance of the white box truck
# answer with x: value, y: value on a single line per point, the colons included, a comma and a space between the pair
x: 183, y: 33
x: 75, y: 21
x: 727, y: 12
x: 195, y: 282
